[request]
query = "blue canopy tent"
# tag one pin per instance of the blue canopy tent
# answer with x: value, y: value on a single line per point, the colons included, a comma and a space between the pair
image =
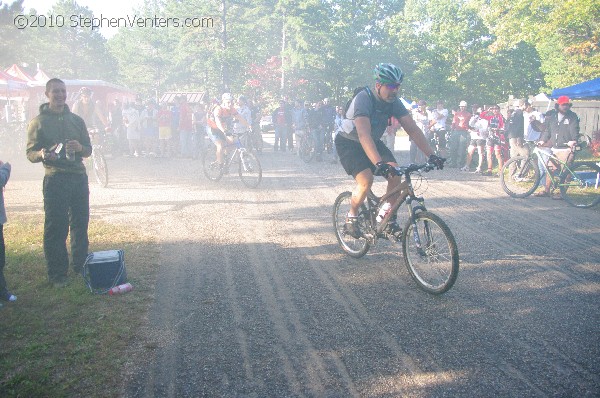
x: 587, y: 90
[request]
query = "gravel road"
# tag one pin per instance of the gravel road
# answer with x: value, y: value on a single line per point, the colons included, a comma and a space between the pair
x: 254, y: 297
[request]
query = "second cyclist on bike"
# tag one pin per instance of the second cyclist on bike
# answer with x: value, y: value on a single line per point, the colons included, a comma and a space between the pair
x: 220, y: 122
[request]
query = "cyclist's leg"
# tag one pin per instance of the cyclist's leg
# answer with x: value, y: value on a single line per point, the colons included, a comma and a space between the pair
x: 498, y: 151
x: 470, y: 152
x: 218, y: 138
x: 489, y: 149
x: 480, y: 149
x: 364, y: 182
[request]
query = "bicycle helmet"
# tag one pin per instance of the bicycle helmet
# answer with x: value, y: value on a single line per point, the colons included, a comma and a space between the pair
x: 85, y: 91
x: 386, y: 73
x: 226, y: 97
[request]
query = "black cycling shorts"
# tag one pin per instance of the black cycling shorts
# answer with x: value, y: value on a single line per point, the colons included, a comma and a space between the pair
x: 478, y: 142
x: 216, y: 134
x: 353, y: 157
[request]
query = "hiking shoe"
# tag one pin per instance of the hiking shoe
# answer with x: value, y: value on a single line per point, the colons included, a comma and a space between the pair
x: 393, y: 228
x: 487, y: 173
x: 351, y: 227
x: 464, y: 168
x: 7, y: 296
x: 477, y: 171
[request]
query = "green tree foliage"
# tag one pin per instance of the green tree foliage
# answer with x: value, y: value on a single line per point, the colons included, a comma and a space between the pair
x: 479, y: 50
x: 61, y: 48
x: 446, y: 51
x: 10, y: 51
x: 566, y: 34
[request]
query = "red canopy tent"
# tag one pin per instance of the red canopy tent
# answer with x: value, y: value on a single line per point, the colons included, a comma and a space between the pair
x: 13, y: 93
x: 17, y: 72
x: 41, y: 76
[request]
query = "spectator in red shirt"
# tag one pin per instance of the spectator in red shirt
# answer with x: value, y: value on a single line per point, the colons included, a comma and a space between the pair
x: 459, y: 137
x: 282, y: 120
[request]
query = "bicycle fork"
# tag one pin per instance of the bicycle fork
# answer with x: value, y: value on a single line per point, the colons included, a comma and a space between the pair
x: 412, y: 212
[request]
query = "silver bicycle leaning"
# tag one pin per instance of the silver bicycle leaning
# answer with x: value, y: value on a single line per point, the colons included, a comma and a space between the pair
x: 428, y: 246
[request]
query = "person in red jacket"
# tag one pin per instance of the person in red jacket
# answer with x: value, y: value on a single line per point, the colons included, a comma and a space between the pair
x: 495, y: 139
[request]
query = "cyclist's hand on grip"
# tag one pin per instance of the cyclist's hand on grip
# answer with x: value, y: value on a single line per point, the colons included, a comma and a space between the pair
x: 437, y: 161
x: 385, y: 170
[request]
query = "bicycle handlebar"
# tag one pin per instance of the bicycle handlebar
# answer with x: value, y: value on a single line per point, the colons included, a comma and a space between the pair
x: 411, y: 168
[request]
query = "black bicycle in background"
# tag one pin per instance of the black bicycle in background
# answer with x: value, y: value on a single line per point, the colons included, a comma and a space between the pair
x: 97, y: 162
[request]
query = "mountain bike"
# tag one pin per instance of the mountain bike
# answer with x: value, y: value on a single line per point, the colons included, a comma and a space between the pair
x: 306, y: 146
x: 249, y: 168
x: 97, y: 162
x: 428, y: 246
x: 578, y: 182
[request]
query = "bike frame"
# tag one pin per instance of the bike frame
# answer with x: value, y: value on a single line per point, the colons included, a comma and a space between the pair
x: 407, y: 195
x: 563, y: 165
x: 239, y: 148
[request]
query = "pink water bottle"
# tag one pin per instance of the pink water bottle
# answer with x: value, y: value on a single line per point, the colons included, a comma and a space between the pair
x: 124, y: 288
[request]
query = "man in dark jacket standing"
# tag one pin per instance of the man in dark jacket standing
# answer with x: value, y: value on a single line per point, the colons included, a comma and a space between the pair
x: 59, y: 139
x: 561, y: 130
x: 282, y: 121
x: 516, y: 130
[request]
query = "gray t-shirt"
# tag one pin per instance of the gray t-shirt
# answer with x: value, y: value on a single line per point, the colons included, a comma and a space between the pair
x: 362, y: 105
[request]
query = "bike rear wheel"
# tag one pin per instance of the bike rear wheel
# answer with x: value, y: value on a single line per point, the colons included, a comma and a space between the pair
x: 306, y: 148
x: 212, y: 170
x: 258, y: 141
x: 99, y: 168
x: 582, y: 187
x: 520, y: 176
x: 430, y: 253
x: 249, y: 170
x: 353, y: 247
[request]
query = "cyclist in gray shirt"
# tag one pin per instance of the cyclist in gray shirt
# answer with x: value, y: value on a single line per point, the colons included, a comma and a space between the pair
x: 362, y: 153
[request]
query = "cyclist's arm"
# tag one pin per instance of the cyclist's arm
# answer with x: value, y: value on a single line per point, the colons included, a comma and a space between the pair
x: 363, y: 128
x: 242, y: 120
x: 415, y: 134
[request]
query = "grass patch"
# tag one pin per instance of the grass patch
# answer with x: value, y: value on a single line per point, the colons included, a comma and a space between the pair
x: 70, y: 342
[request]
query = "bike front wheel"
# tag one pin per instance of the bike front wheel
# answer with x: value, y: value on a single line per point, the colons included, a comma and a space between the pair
x: 100, y: 168
x: 520, y: 176
x: 430, y: 253
x: 352, y: 246
x: 250, y: 170
x: 306, y: 149
x: 212, y: 169
x: 581, y: 188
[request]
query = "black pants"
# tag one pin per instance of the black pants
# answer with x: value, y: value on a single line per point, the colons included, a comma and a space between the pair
x: 67, y: 207
x: 2, y: 260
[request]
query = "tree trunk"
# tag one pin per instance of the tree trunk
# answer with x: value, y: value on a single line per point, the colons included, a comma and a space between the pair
x: 283, y: 39
x: 224, y: 68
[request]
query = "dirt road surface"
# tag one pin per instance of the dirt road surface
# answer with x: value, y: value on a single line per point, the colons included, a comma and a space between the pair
x: 255, y: 299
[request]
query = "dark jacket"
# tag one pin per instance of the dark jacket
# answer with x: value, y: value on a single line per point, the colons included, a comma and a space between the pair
x: 558, y: 134
x: 516, y: 125
x: 287, y: 115
x: 47, y: 130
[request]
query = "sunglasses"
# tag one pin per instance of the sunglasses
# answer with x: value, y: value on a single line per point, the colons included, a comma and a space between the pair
x: 392, y: 86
